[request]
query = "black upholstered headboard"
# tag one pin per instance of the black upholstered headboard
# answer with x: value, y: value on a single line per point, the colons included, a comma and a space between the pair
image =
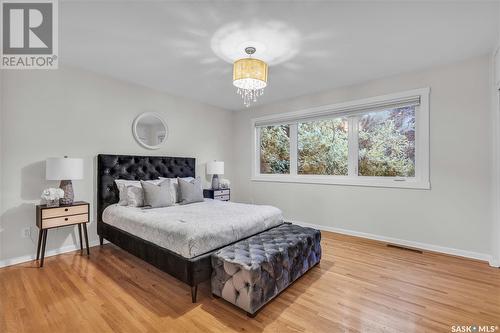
x: 111, y: 167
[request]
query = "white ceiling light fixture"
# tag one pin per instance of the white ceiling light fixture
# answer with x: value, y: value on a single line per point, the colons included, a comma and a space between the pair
x: 250, y: 77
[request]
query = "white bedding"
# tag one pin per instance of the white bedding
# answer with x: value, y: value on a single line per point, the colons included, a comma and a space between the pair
x: 194, y: 229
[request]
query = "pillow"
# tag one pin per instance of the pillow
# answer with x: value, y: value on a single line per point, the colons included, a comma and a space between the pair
x: 156, y: 196
x: 190, y: 191
x: 174, y: 187
x: 122, y: 190
x: 122, y: 185
x: 135, y: 196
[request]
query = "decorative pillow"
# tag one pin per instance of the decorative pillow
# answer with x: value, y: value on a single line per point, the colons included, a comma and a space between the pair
x: 157, y: 195
x: 190, y: 191
x: 174, y: 187
x: 135, y: 196
x: 122, y: 190
x: 123, y: 184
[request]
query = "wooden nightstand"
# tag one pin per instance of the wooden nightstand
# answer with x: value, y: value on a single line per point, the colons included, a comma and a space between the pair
x: 222, y: 194
x: 64, y: 215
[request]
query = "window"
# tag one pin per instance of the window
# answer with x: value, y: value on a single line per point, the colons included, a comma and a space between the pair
x: 381, y: 141
x: 386, y: 141
x: 322, y: 147
x: 275, y: 149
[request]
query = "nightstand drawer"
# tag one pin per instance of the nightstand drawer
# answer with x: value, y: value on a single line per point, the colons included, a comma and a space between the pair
x: 221, y: 197
x: 221, y: 192
x: 64, y: 220
x: 64, y: 211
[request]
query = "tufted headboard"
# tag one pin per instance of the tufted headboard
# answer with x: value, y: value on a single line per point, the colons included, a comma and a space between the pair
x: 111, y: 167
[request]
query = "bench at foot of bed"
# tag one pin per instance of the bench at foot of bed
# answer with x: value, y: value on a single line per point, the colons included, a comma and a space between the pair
x: 251, y: 272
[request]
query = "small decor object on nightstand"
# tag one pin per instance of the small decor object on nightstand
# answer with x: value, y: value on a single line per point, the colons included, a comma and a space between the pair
x: 53, y: 217
x: 215, y: 168
x: 64, y: 169
x: 52, y: 196
x: 224, y: 183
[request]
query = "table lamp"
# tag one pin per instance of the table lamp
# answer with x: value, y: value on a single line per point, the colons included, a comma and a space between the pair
x: 64, y: 169
x: 215, y: 168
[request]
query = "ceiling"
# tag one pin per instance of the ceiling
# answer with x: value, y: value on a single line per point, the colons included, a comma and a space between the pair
x: 185, y: 48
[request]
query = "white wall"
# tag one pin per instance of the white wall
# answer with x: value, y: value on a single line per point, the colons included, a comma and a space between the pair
x: 81, y: 114
x: 495, y: 188
x: 495, y: 122
x: 1, y: 153
x: 455, y: 214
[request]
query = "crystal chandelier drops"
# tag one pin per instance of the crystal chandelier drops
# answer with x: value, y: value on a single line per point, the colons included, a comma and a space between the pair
x: 250, y: 77
x: 250, y: 94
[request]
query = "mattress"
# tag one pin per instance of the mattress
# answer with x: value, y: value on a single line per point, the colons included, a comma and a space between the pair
x: 194, y: 229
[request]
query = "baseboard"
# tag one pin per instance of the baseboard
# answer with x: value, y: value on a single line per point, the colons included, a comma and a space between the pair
x: 423, y: 246
x: 26, y: 258
x: 494, y: 262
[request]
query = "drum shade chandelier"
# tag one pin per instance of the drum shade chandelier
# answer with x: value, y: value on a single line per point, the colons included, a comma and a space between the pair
x: 250, y: 77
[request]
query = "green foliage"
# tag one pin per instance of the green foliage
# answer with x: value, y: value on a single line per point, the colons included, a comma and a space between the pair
x: 386, y: 144
x: 323, y: 147
x: 275, y: 149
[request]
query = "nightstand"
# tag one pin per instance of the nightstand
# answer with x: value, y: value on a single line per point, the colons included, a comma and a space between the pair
x: 222, y: 194
x: 64, y: 215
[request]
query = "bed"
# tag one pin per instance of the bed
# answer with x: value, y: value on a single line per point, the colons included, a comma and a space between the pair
x: 178, y: 240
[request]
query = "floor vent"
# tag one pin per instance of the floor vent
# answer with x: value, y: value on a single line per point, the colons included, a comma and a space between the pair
x: 400, y: 247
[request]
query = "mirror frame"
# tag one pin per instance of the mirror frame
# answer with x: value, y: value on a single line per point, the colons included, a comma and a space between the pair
x: 136, y: 136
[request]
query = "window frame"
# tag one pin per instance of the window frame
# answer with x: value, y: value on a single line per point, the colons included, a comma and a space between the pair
x: 422, y: 151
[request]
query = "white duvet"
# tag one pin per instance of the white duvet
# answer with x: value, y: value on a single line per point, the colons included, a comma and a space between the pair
x: 194, y: 229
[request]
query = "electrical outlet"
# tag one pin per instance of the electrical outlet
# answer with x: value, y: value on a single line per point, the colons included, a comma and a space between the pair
x: 26, y: 232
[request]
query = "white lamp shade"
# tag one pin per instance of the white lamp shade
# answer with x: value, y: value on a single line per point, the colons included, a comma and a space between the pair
x: 215, y: 168
x: 63, y: 168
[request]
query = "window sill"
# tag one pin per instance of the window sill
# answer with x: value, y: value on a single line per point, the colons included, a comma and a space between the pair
x: 347, y: 181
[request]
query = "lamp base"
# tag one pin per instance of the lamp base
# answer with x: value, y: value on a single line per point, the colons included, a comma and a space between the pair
x: 215, y: 182
x: 69, y: 196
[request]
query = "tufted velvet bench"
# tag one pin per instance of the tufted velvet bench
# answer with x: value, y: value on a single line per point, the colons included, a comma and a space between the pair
x: 251, y: 272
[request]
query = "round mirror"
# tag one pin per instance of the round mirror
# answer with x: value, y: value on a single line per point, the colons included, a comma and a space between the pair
x: 150, y: 130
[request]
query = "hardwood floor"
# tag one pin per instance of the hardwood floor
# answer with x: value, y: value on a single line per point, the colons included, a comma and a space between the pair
x: 360, y: 286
